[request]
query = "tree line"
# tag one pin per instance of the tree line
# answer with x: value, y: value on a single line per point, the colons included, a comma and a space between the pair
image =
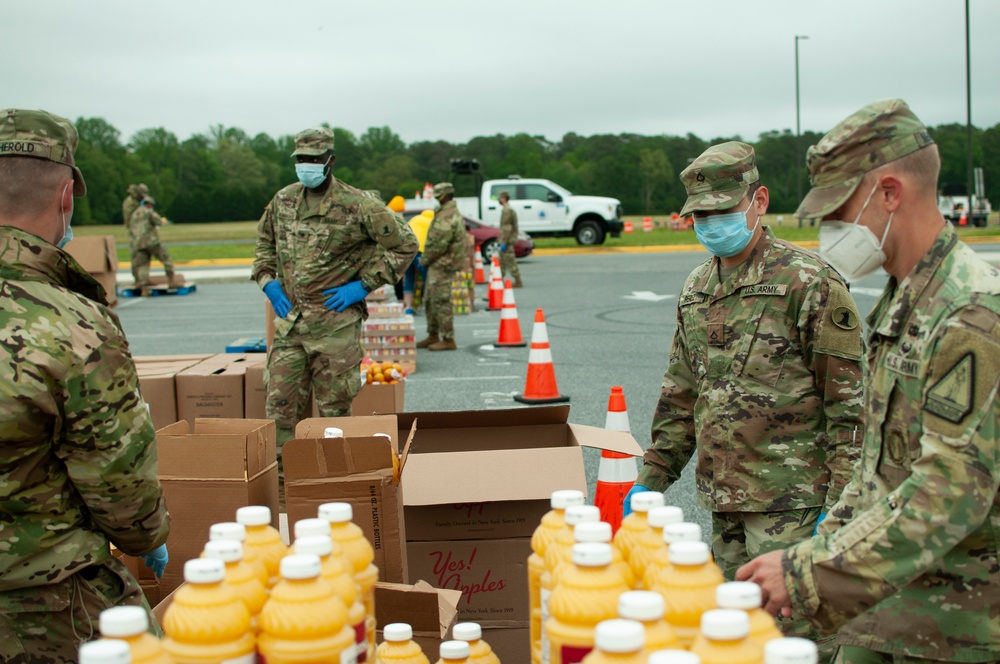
x: 228, y: 175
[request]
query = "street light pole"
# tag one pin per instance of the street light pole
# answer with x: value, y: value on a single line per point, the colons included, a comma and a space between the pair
x: 798, y: 128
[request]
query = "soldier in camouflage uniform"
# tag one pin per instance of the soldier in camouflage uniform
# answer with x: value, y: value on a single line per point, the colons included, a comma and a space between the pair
x: 77, y: 446
x: 910, y: 552
x: 444, y: 254
x: 508, y: 238
x: 322, y: 246
x: 144, y: 244
x: 136, y: 192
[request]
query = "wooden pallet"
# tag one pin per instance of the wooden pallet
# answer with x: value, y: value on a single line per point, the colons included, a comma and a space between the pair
x: 159, y: 290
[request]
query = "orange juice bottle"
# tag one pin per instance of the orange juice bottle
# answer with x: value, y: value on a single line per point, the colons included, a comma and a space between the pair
x: 672, y: 532
x: 617, y: 642
x: 237, y: 532
x: 636, y: 523
x: 587, y: 593
x: 454, y: 652
x: 688, y: 588
x: 553, y: 522
x: 105, y: 651
x: 673, y: 657
x: 647, y: 608
x: 206, y: 621
x: 263, y: 538
x: 600, y: 531
x: 398, y: 646
x: 358, y: 550
x: 745, y: 596
x: 131, y: 624
x: 480, y: 652
x: 791, y: 650
x: 311, y: 528
x: 336, y: 569
x: 650, y: 542
x: 239, y: 576
x: 304, y: 620
x: 726, y: 639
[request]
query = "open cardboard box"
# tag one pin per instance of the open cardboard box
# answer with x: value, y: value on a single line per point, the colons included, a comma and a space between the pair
x: 431, y: 612
x: 99, y: 257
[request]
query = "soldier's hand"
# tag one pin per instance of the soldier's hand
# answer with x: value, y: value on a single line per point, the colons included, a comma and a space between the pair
x: 627, y: 503
x: 157, y: 560
x: 765, y: 571
x: 276, y: 294
x: 503, y: 247
x: 344, y: 296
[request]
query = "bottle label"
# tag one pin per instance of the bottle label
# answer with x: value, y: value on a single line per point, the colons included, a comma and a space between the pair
x: 250, y: 658
x: 347, y: 656
x: 360, y: 643
x: 574, y: 654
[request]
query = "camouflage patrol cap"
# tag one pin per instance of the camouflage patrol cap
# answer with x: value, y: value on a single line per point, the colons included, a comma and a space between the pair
x: 149, y: 200
x: 442, y: 188
x: 719, y: 178
x: 876, y: 135
x: 313, y: 142
x: 142, y: 190
x: 25, y: 133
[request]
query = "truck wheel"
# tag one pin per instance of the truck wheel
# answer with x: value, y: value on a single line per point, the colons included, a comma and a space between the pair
x: 589, y: 233
x: 489, y: 249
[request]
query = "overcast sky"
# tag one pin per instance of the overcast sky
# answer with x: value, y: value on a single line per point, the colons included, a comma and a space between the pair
x: 453, y: 70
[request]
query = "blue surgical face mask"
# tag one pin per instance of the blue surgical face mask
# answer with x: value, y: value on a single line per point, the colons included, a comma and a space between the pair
x: 67, y: 227
x: 727, y: 234
x: 311, y: 175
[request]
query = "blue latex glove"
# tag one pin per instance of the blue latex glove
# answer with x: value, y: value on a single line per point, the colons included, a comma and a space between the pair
x: 822, y: 515
x: 503, y: 247
x: 157, y: 560
x: 627, y: 506
x: 344, y: 296
x: 276, y: 294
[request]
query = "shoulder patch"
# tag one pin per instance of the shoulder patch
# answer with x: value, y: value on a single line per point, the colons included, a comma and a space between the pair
x: 951, y: 397
x: 839, y: 330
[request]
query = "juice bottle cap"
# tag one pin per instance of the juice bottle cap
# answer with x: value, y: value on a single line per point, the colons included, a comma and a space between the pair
x: 673, y: 657
x: 204, y: 570
x: 228, y: 530
x: 228, y: 551
x: 300, y: 566
x: 397, y: 632
x: 317, y: 545
x: 790, y: 650
x: 665, y: 514
x: 681, y: 532
x: 122, y: 621
x: 105, y: 651
x: 467, y: 631
x: 620, y: 636
x: 641, y: 605
x: 688, y: 553
x: 593, y: 531
x: 646, y: 500
x: 725, y: 624
x: 333, y: 432
x: 336, y: 512
x: 582, y: 514
x: 738, y: 595
x: 592, y: 554
x: 254, y: 515
x: 455, y: 650
x: 307, y: 527
x: 566, y: 498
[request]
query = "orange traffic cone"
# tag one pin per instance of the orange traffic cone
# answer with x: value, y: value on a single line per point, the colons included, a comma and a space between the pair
x: 510, y: 326
x: 628, y: 226
x: 428, y: 191
x: 540, y: 387
x: 480, y: 273
x: 963, y: 220
x: 495, y: 301
x: 647, y: 224
x: 617, y: 472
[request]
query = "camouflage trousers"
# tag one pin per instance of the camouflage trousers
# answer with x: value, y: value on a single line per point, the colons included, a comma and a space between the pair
x: 508, y: 264
x: 47, y: 624
x: 440, y: 314
x: 856, y: 655
x: 141, y: 259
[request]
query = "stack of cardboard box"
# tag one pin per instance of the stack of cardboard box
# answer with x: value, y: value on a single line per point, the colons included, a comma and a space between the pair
x: 389, y: 335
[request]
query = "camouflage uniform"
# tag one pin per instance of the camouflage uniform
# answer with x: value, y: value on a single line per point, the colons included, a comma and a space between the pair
x: 508, y: 236
x: 444, y: 254
x: 77, y: 446
x: 913, y: 544
x: 136, y: 192
x: 144, y: 243
x: 346, y: 234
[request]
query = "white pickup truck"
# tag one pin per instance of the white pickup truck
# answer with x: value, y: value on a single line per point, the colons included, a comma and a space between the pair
x: 545, y: 208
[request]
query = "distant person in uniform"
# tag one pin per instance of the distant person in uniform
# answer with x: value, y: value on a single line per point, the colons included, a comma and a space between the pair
x: 136, y: 192
x: 77, y: 445
x: 764, y: 383
x: 906, y: 565
x: 322, y: 246
x: 508, y: 238
x: 443, y: 256
x: 145, y: 245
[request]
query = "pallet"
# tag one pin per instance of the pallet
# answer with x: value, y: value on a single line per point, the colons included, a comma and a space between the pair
x: 247, y: 345
x: 159, y: 290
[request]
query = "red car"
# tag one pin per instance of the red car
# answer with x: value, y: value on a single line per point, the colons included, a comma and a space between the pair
x: 488, y: 238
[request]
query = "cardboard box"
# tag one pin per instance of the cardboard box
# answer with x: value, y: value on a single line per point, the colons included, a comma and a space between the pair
x: 156, y: 382
x: 207, y: 474
x: 360, y: 469
x: 375, y: 399
x: 214, y: 387
x: 99, y: 257
x: 254, y: 394
x: 431, y: 612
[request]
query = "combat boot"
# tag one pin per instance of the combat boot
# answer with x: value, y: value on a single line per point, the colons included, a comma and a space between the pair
x: 431, y: 339
x: 444, y: 344
x: 517, y: 283
x: 145, y: 291
x: 175, y: 280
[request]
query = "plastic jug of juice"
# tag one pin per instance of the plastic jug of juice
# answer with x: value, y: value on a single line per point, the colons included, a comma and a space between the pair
x: 552, y: 522
x: 131, y: 624
x: 304, y: 620
x: 358, y: 550
x: 237, y: 532
x: 454, y: 652
x: 242, y: 578
x: 617, y: 642
x: 688, y: 588
x: 791, y: 650
x: 726, y: 639
x: 263, y: 538
x: 673, y: 657
x: 105, y: 651
x: 673, y: 532
x: 646, y: 608
x: 311, y: 528
x: 398, y: 646
x: 587, y: 593
x: 650, y: 542
x: 336, y: 569
x: 636, y: 523
x: 206, y: 621
x: 480, y: 652
x: 745, y: 596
